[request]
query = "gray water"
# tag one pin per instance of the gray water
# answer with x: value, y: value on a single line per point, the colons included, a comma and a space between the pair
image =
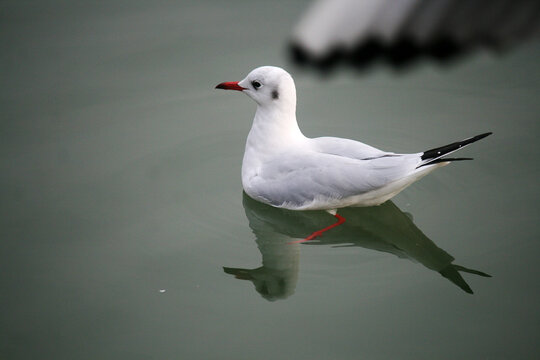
x: 124, y: 232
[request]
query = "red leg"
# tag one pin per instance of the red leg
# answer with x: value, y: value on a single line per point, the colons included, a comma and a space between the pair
x: 317, y: 233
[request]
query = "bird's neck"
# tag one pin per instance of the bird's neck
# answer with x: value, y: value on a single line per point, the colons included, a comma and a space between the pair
x: 273, y: 129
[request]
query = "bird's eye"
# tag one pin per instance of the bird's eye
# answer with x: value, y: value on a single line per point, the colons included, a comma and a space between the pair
x: 256, y: 84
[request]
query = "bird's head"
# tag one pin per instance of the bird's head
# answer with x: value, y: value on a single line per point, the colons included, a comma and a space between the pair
x: 267, y: 85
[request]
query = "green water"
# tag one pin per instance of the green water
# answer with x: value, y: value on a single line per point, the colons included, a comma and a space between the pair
x: 124, y: 233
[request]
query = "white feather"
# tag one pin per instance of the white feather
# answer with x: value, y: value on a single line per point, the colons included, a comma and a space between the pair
x: 283, y: 168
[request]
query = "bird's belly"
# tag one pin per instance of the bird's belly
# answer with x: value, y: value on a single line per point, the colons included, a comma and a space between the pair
x: 313, y: 201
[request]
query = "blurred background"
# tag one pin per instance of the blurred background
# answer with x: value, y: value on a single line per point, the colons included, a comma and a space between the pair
x: 124, y: 232
x: 360, y: 32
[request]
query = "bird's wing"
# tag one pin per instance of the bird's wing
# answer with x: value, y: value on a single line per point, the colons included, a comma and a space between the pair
x: 346, y: 148
x: 297, y: 179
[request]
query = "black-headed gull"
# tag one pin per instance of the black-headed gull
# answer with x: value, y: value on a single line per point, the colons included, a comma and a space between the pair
x: 286, y: 169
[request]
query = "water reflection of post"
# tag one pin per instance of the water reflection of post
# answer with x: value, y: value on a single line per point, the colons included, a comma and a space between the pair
x: 383, y: 228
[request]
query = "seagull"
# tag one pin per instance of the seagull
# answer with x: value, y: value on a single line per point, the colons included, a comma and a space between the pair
x: 285, y: 169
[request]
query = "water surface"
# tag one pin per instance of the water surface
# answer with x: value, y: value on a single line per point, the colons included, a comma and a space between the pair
x: 125, y: 232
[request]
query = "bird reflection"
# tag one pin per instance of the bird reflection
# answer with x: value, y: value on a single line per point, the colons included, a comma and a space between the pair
x: 383, y: 228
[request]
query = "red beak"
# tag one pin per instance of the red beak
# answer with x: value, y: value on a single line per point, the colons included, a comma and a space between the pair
x: 230, y: 85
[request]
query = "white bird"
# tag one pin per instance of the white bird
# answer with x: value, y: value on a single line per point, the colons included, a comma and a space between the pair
x: 284, y: 168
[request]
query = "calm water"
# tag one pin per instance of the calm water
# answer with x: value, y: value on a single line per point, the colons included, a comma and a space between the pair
x: 125, y: 233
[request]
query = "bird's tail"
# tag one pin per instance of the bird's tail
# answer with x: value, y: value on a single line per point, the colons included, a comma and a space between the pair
x: 436, y: 155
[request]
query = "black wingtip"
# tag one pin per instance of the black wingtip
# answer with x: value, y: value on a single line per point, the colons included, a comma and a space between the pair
x: 443, y: 160
x: 481, y: 136
x: 443, y: 150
